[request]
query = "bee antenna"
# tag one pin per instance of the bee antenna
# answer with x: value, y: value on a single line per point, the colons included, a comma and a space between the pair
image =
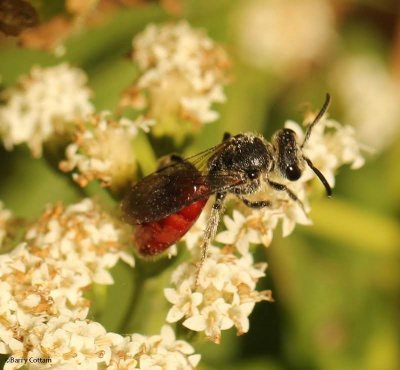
x: 320, y: 176
x: 316, y: 120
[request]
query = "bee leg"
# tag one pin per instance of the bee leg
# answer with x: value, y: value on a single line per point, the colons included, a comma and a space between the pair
x: 256, y: 205
x: 227, y: 136
x: 210, y: 231
x: 293, y: 196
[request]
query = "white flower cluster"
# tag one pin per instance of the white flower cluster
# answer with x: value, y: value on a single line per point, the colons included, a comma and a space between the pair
x: 283, y: 35
x: 67, y: 344
x: 224, y: 296
x: 42, y: 104
x: 84, y: 344
x: 63, y: 253
x: 182, y: 72
x: 43, y: 315
x: 102, y: 149
x: 365, y: 82
x: 156, y: 352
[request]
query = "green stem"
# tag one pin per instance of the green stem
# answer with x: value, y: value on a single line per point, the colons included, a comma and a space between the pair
x: 139, y: 279
x: 147, y: 308
x: 144, y: 153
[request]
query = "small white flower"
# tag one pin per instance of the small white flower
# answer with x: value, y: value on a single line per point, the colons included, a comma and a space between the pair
x: 32, y: 300
x: 183, y: 303
x: 213, y: 319
x: 226, y: 286
x: 240, y: 231
x: 292, y: 215
x: 240, y: 314
x: 43, y: 103
x: 182, y: 73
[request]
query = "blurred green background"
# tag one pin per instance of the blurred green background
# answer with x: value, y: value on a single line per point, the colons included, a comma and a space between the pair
x: 335, y: 283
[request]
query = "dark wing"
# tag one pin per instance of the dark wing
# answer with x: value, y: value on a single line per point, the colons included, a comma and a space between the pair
x: 175, y: 186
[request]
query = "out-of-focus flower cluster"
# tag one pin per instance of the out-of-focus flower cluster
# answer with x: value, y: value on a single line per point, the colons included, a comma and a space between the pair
x: 182, y: 73
x: 370, y: 98
x: 283, y: 35
x: 42, y: 104
x: 102, y: 149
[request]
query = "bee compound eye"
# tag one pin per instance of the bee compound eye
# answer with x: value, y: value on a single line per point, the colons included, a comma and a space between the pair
x: 293, y: 173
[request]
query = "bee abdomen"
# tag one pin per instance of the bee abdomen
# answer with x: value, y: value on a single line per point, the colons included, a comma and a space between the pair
x: 155, y: 237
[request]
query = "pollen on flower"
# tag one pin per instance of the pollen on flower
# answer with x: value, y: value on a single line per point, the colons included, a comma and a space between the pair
x: 81, y: 232
x: 225, y: 295
x: 63, y: 252
x: 43, y: 313
x: 182, y: 73
x: 243, y: 230
x: 43, y: 104
x: 102, y: 149
x: 72, y: 343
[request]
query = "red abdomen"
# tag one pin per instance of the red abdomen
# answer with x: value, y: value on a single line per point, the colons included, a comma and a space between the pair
x: 155, y: 237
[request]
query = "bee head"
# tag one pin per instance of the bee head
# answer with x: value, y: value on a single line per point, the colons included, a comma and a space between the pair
x: 288, y: 154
